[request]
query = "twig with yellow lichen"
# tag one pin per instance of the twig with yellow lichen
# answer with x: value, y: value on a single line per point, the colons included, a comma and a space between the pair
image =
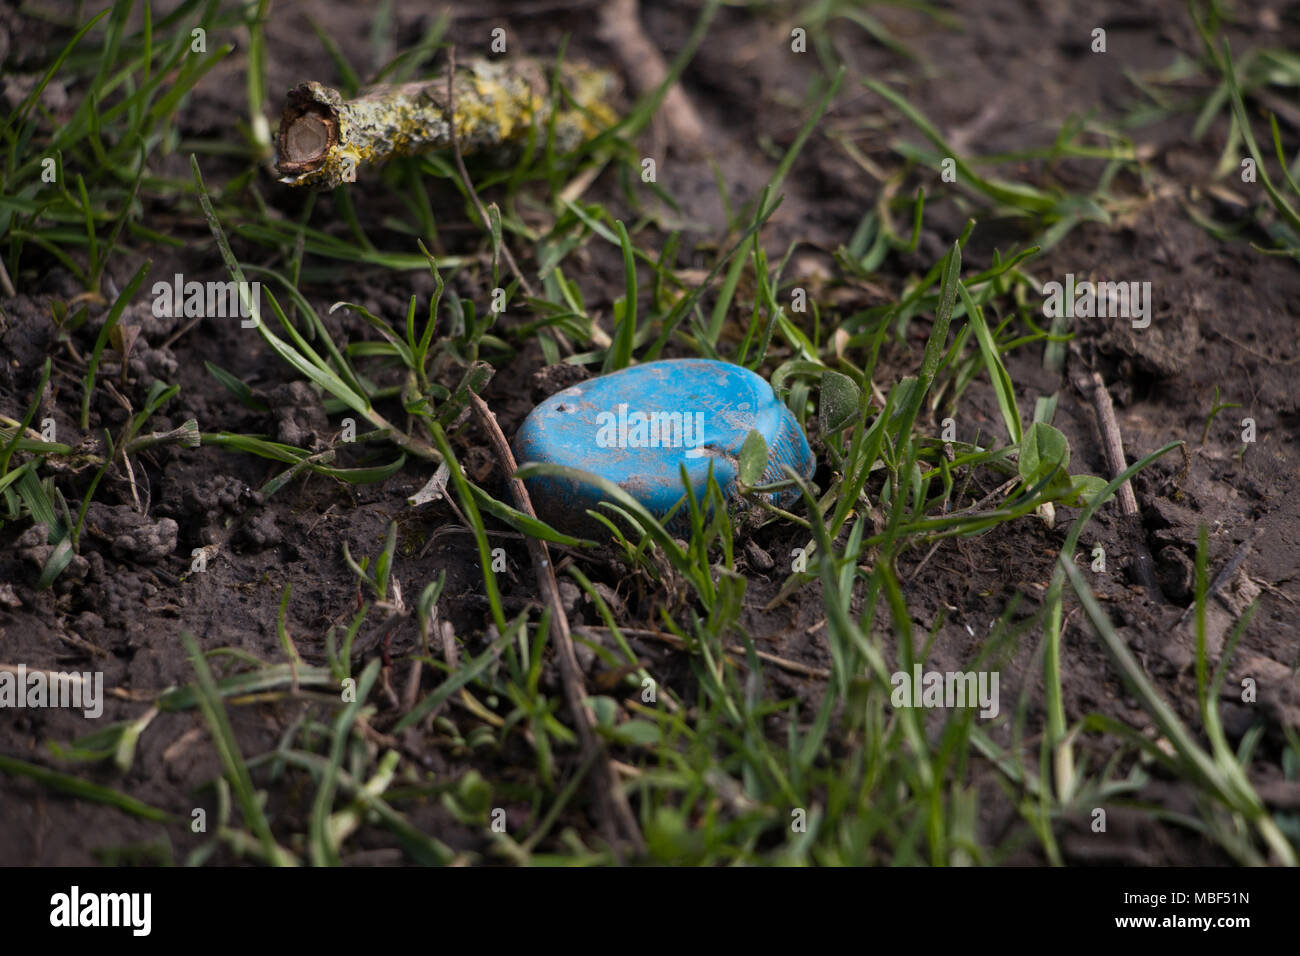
x: 324, y: 139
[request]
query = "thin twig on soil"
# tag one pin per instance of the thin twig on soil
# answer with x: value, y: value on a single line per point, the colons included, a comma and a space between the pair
x: 970, y: 509
x: 1226, y: 573
x: 411, y: 693
x: 785, y: 664
x: 1258, y: 354
x: 1093, y: 387
x: 620, y: 27
x: 84, y: 645
x: 612, y: 806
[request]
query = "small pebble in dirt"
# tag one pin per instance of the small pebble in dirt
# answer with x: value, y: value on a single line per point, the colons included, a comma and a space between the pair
x: 154, y: 328
x: 88, y: 622
x: 9, y: 597
x: 131, y: 534
x: 260, y: 532
x: 33, y: 545
x: 219, y: 495
x: 570, y: 593
x: 300, y: 419
x: 760, y: 559
x: 612, y: 599
x: 638, y: 427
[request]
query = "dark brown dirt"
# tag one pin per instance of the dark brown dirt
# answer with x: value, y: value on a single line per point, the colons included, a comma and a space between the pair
x: 1005, y: 82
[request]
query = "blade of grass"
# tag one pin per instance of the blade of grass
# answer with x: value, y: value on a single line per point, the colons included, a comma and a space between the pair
x: 223, y: 739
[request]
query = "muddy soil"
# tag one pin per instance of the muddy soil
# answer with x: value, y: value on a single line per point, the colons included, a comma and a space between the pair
x: 1225, y: 316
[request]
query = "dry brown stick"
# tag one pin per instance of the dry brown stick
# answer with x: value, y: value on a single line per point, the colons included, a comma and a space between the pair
x: 464, y: 174
x: 5, y: 282
x: 450, y: 654
x: 784, y: 663
x: 1227, y: 571
x: 620, y: 27
x: 972, y: 509
x: 84, y: 645
x: 1258, y: 354
x: 1092, y: 386
x: 411, y: 693
x: 615, y: 811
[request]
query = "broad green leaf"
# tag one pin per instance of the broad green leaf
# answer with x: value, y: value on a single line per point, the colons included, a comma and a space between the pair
x: 840, y: 400
x: 1043, y: 450
x: 753, y: 458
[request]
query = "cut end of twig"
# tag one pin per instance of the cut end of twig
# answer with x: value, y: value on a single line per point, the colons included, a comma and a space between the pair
x: 309, y: 129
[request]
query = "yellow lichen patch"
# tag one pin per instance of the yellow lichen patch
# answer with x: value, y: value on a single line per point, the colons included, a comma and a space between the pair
x: 498, y: 103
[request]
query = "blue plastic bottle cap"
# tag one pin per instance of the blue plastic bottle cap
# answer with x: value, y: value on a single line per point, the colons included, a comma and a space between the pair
x: 637, y: 427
